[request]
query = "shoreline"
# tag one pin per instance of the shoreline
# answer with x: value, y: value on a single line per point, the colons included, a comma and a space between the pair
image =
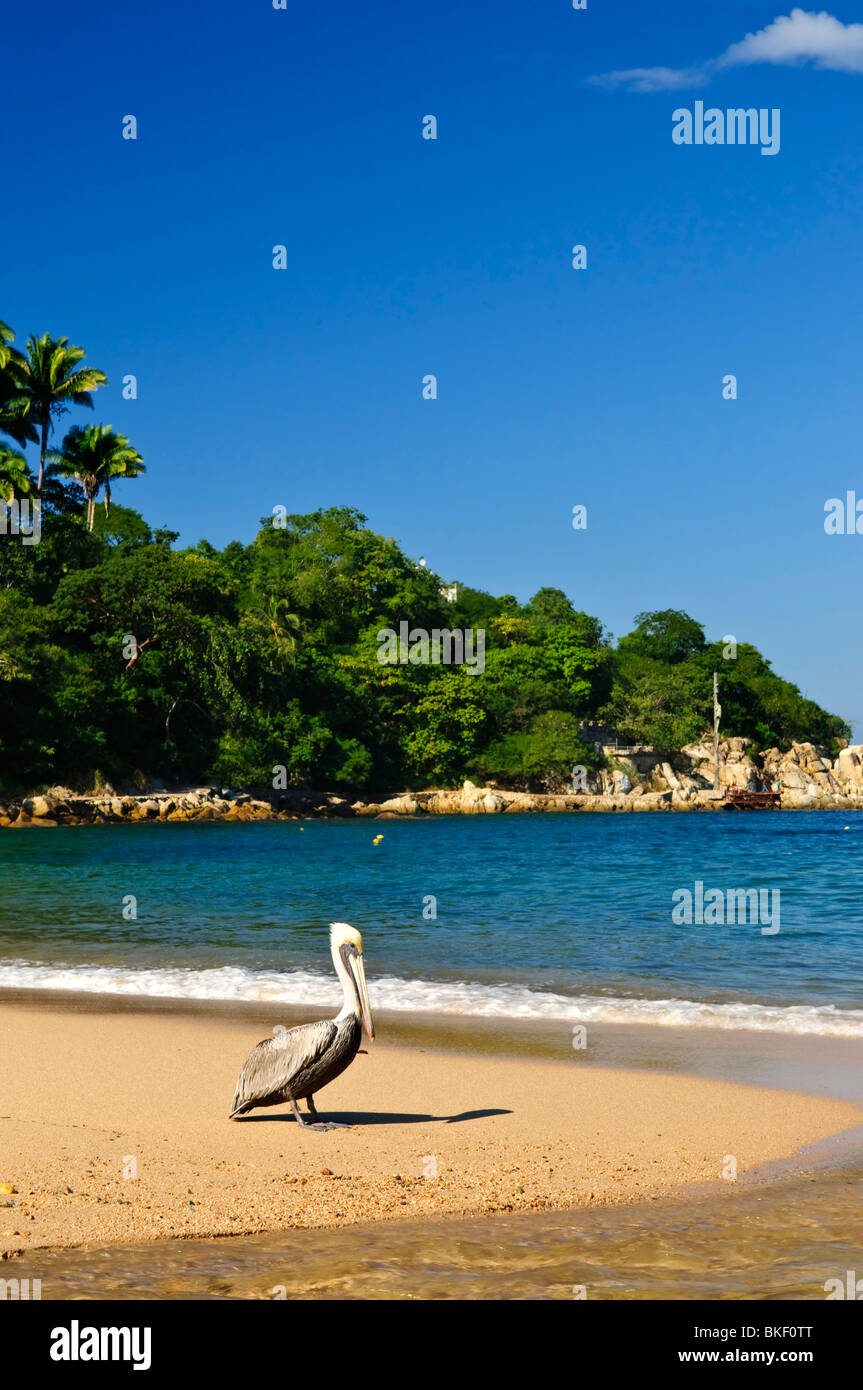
x: 813, y: 787
x: 828, y: 1065
x: 638, y: 778
x: 146, y: 1089
x: 202, y: 805
x: 148, y: 809
x: 748, y: 1242
x: 163, y: 809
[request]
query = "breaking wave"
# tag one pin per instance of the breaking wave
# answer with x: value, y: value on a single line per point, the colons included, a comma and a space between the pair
x: 458, y: 997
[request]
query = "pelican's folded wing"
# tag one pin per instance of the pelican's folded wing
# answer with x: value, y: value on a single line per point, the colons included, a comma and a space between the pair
x: 277, y: 1064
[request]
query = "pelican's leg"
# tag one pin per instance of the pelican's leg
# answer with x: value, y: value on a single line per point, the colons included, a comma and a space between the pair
x: 306, y: 1124
x: 324, y: 1124
x: 298, y: 1117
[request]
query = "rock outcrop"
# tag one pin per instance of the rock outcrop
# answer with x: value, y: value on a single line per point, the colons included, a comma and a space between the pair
x: 805, y: 776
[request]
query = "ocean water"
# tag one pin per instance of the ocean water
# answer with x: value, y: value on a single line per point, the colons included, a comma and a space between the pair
x: 537, y: 917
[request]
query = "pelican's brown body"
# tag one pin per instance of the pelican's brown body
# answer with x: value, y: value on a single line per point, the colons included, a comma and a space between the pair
x: 296, y: 1064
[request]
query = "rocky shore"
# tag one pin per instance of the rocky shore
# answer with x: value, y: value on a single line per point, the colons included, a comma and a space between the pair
x: 633, y: 780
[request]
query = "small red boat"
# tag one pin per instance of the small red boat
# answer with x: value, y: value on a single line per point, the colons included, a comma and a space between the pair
x: 742, y: 800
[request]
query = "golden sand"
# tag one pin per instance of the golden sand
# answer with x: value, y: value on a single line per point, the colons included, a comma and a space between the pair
x: 114, y: 1129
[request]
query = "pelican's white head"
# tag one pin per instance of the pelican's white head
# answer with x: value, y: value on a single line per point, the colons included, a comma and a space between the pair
x: 346, y: 946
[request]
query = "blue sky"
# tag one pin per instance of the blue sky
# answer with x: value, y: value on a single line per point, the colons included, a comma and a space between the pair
x: 302, y: 387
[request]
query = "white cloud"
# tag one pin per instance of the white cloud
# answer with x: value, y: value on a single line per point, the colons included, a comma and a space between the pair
x: 651, y: 79
x: 801, y: 37
x: 789, y: 41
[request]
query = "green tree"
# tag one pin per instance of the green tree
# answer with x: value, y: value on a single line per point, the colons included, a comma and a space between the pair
x: 93, y: 455
x: 7, y: 337
x: 667, y: 635
x: 666, y: 706
x: 14, y: 399
x: 444, y: 726
x: 550, y: 608
x: 340, y: 577
x: 15, y: 480
x: 122, y: 527
x: 541, y: 757
x: 53, y: 380
x: 759, y: 705
x: 285, y: 626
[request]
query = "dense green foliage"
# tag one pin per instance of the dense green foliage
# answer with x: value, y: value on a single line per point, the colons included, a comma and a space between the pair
x: 124, y: 658
x: 663, y: 690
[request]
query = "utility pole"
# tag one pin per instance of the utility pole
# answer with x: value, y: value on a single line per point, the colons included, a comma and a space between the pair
x: 717, y: 710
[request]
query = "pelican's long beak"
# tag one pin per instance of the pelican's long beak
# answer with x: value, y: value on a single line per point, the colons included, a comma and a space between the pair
x: 358, y: 971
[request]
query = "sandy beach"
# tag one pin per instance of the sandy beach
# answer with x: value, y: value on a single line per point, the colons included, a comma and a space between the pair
x: 114, y: 1130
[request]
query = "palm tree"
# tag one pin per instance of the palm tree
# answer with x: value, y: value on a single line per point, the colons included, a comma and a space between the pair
x: 15, y: 480
x: 14, y: 399
x: 52, y: 381
x: 93, y: 455
x: 6, y: 338
x: 285, y: 625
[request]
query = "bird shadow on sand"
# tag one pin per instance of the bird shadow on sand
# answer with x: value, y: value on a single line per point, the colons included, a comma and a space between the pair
x: 378, y: 1117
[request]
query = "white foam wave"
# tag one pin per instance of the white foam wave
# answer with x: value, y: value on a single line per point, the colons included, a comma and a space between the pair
x: 429, y: 996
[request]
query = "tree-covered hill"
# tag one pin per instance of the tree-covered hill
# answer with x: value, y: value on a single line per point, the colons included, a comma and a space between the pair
x: 125, y: 658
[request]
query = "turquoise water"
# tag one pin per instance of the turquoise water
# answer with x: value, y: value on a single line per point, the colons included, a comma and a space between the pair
x: 537, y: 916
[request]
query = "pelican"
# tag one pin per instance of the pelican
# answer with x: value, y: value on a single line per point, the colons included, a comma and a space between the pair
x: 299, y: 1061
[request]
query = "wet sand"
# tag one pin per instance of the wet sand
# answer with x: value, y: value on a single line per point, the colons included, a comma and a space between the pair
x: 114, y: 1130
x: 779, y: 1240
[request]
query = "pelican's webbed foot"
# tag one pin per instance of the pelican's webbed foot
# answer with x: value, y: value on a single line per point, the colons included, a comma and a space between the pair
x: 321, y: 1124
